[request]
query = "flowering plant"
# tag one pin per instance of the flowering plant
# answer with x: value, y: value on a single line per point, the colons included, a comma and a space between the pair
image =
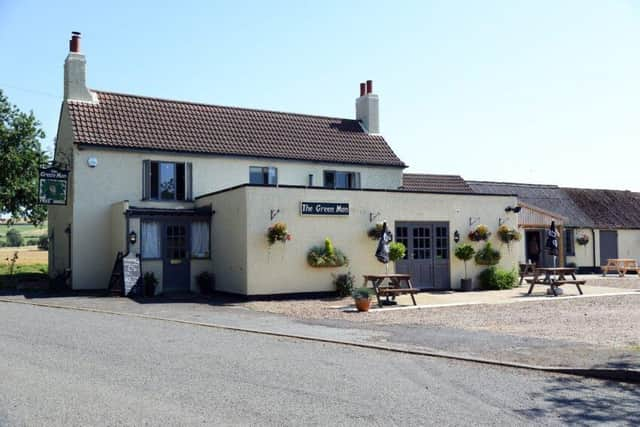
x: 582, y: 239
x: 481, y: 232
x: 508, y: 234
x: 278, y: 233
x: 375, y: 233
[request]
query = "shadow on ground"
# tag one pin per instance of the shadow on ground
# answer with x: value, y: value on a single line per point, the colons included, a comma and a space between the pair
x: 575, y: 401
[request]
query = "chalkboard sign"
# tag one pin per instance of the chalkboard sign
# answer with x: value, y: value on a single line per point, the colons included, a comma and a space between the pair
x: 131, y: 271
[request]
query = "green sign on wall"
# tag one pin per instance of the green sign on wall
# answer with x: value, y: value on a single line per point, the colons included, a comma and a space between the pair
x: 52, y: 186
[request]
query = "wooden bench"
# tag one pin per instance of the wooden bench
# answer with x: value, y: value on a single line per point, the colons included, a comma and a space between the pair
x: 620, y: 265
x: 394, y: 288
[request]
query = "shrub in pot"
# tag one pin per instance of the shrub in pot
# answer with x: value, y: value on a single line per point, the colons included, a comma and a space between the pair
x: 344, y: 283
x: 396, y: 251
x: 362, y: 297
x: 206, y: 282
x: 464, y: 253
x: 149, y: 282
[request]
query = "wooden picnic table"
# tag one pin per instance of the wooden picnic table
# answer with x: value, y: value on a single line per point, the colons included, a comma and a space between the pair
x: 555, y: 277
x: 526, y: 269
x: 398, y: 284
x: 620, y: 265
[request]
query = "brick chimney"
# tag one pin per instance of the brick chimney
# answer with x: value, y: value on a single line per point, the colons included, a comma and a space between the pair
x: 367, y: 108
x: 75, y: 72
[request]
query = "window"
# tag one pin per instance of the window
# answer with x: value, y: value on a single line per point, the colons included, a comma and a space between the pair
x: 150, y: 239
x: 166, y: 181
x: 569, y: 242
x: 263, y: 175
x: 200, y: 239
x: 340, y: 179
x: 442, y: 242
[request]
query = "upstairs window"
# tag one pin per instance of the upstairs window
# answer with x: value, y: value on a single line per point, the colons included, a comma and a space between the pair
x: 166, y: 181
x: 263, y: 175
x: 340, y: 179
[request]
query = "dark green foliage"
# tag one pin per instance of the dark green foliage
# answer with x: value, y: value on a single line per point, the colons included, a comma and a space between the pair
x: 43, y: 243
x: 487, y: 255
x: 344, y: 283
x: 20, y: 157
x: 396, y: 251
x: 14, y: 238
x: 464, y: 252
x: 326, y: 256
x: 496, y: 278
x: 362, y: 293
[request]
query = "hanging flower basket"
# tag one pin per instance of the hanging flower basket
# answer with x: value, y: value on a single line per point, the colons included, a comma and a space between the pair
x: 326, y: 256
x: 481, y: 232
x: 278, y: 233
x: 508, y: 234
x: 375, y: 233
x: 582, y: 239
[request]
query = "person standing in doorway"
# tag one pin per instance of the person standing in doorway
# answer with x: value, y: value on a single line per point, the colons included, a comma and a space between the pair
x: 533, y: 248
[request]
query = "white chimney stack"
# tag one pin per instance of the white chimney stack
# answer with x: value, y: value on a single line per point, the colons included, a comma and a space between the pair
x: 75, y: 72
x: 367, y: 108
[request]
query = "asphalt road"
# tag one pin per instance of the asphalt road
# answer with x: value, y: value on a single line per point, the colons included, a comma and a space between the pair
x: 65, y: 367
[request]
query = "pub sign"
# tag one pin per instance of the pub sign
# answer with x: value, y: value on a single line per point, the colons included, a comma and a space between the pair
x: 52, y: 186
x: 324, y: 208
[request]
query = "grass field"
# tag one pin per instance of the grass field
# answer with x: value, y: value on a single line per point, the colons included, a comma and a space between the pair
x: 28, y: 231
x: 31, y: 265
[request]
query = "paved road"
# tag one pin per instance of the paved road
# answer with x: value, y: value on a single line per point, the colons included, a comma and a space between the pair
x: 64, y: 367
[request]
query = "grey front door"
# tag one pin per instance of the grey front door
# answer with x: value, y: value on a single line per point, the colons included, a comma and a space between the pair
x: 427, y: 257
x: 608, y: 246
x: 175, y: 274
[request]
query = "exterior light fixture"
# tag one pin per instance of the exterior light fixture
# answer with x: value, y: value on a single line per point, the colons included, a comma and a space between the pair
x: 456, y: 236
x: 133, y: 237
x: 514, y: 209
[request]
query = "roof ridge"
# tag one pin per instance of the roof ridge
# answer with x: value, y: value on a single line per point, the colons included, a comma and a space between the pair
x: 179, y: 101
x: 471, y: 181
x: 432, y: 174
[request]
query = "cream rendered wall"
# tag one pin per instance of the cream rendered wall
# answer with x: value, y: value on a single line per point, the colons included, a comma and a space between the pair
x: 59, y: 217
x: 119, y: 227
x: 118, y: 177
x: 583, y: 254
x: 282, y: 268
x: 228, y: 239
x: 629, y: 244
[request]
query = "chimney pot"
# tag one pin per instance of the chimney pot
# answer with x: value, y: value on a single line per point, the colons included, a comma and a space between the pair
x: 369, y: 86
x: 362, y: 89
x: 74, y: 43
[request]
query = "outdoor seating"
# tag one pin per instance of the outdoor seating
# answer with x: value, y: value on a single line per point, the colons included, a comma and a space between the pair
x: 620, y: 265
x: 526, y: 269
x: 398, y: 284
x: 555, y: 277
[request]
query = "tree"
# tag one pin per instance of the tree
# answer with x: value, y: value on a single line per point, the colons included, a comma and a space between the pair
x: 20, y: 157
x: 14, y: 238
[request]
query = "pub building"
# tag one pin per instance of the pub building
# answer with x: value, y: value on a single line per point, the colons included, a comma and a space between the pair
x: 191, y: 188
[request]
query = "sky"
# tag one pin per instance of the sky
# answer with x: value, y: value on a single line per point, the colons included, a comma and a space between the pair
x: 521, y: 91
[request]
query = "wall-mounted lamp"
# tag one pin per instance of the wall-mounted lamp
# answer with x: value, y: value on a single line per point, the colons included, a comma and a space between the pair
x: 456, y: 236
x: 514, y: 209
x: 274, y: 213
x: 373, y: 216
x: 133, y: 237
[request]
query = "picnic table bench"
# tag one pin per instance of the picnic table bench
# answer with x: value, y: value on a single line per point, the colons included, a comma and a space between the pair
x: 545, y: 276
x: 526, y: 269
x: 398, y: 284
x: 620, y: 265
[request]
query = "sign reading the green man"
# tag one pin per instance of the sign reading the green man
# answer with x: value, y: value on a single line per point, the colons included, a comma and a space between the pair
x: 53, y: 186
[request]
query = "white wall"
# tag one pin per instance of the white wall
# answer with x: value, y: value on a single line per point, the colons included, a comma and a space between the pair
x: 629, y: 244
x: 282, y: 268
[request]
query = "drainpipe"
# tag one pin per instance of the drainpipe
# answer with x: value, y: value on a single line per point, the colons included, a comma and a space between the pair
x: 593, y: 239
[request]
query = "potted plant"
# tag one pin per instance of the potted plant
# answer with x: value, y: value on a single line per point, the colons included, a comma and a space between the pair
x: 150, y: 282
x: 508, y: 234
x: 206, y: 282
x: 362, y: 297
x: 487, y: 255
x: 396, y: 251
x: 464, y: 253
x: 344, y: 284
x: 326, y: 256
x: 278, y: 233
x: 481, y: 232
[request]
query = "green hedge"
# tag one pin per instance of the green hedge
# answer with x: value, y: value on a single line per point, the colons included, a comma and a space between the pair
x: 496, y: 278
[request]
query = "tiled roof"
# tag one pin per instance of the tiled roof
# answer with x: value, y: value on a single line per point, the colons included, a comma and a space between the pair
x: 608, y: 208
x: 435, y: 183
x: 134, y: 122
x: 551, y: 198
